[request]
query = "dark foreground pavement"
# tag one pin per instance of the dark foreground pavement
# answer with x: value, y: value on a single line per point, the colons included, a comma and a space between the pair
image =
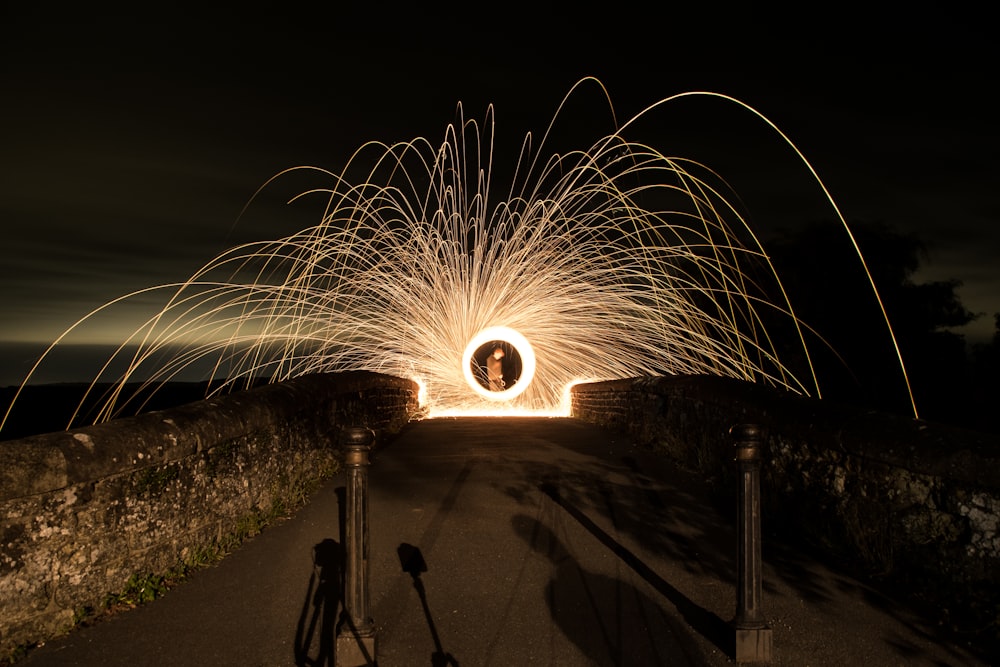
x: 544, y: 541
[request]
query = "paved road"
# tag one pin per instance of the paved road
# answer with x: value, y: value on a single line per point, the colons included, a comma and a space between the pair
x: 540, y: 542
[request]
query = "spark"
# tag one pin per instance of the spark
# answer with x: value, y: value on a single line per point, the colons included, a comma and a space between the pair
x: 605, y: 262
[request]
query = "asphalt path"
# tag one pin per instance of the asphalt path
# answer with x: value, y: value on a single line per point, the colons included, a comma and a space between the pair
x: 512, y: 541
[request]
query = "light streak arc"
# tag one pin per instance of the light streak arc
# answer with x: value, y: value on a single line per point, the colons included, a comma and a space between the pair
x: 614, y: 261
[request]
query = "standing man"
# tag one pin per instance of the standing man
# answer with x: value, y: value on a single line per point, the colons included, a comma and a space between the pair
x: 494, y: 370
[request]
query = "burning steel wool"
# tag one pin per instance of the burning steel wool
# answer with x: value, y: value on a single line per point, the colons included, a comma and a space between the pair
x: 611, y: 261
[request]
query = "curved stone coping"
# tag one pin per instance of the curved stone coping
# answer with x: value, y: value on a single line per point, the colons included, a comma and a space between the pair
x: 915, y: 445
x: 52, y: 461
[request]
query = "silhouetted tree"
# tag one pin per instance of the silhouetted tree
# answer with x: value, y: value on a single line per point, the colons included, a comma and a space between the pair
x: 985, y: 371
x: 831, y: 292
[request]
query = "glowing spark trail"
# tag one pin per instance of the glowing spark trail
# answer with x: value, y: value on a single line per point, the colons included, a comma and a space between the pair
x: 609, y: 262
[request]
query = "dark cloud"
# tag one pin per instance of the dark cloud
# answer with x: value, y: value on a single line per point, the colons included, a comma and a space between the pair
x: 131, y: 144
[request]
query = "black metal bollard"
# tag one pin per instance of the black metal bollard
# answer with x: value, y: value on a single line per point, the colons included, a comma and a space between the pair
x: 753, y: 636
x: 356, y: 634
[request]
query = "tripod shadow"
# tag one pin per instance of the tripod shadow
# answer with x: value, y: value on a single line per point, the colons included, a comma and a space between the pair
x: 319, y: 611
x: 413, y: 563
x: 320, y: 608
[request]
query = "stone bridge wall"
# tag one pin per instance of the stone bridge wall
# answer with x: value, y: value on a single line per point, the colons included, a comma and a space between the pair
x: 83, y: 511
x: 912, y: 504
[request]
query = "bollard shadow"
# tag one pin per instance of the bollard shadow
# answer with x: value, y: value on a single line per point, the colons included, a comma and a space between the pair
x: 413, y: 563
x: 709, y: 625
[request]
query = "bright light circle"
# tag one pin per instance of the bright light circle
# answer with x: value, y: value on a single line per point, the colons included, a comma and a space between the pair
x: 523, y: 347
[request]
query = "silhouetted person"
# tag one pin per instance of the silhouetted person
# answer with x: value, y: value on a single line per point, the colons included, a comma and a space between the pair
x: 494, y: 370
x: 611, y: 621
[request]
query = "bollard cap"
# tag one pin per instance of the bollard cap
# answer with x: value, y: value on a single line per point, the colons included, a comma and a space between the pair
x: 745, y: 433
x: 747, y: 441
x: 356, y: 436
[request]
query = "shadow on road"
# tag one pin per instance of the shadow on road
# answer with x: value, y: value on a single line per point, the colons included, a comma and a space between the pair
x: 413, y: 563
x: 706, y: 623
x: 322, y: 602
x: 323, y: 596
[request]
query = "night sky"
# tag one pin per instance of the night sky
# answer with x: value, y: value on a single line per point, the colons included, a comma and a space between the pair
x: 130, y: 143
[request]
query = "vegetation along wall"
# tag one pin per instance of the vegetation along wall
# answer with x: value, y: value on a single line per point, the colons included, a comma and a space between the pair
x: 910, y: 504
x: 89, y: 513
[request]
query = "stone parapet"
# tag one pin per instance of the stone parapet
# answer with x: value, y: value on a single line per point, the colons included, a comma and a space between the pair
x: 911, y: 504
x: 84, y: 512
